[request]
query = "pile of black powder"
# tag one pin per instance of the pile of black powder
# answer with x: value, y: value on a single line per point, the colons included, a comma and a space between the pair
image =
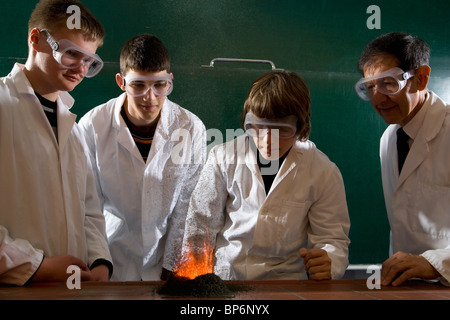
x: 207, y: 285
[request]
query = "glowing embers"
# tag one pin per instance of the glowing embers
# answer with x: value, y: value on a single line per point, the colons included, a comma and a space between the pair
x: 193, y: 265
x: 194, y: 276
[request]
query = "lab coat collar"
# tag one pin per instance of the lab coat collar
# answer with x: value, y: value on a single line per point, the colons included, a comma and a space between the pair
x: 118, y: 121
x: 435, y: 110
x: 124, y: 137
x: 167, y: 123
x: 287, y: 166
x: 66, y: 119
x: 166, y: 120
x: 20, y: 80
x: 24, y: 86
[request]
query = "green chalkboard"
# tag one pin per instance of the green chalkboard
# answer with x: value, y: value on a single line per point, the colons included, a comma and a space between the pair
x: 321, y: 40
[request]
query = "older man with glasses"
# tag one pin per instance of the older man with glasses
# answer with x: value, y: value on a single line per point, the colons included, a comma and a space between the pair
x: 415, y: 156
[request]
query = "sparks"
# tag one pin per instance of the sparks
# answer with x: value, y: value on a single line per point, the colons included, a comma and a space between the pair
x: 193, y: 265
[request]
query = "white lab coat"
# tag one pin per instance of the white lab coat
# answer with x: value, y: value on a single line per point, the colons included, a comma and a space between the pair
x: 418, y: 201
x: 48, y: 202
x: 145, y: 203
x: 257, y: 237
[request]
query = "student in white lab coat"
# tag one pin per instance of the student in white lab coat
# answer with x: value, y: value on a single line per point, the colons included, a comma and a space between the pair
x: 50, y: 216
x: 270, y: 203
x: 417, y: 191
x: 148, y: 153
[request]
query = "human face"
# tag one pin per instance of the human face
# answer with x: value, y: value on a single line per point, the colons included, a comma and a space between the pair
x: 272, y: 137
x: 398, y: 108
x: 55, y: 77
x: 143, y: 109
x: 271, y: 147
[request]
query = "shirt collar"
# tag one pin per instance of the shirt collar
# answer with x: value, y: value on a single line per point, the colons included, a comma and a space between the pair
x: 413, y: 126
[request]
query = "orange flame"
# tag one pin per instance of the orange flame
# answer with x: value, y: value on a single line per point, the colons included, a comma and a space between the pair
x: 193, y: 265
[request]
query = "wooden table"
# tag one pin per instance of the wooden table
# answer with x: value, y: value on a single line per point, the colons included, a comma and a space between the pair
x: 252, y: 299
x: 249, y: 290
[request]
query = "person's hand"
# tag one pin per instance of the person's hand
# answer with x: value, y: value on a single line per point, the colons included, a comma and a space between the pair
x: 403, y: 266
x: 317, y: 263
x: 55, y: 269
x: 100, y: 273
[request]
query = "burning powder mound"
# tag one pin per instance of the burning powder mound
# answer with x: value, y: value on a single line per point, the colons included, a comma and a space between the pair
x: 203, y: 286
x: 193, y: 264
x: 194, y: 275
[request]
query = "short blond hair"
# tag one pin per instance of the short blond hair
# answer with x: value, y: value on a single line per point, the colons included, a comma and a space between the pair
x: 279, y: 94
x: 52, y: 15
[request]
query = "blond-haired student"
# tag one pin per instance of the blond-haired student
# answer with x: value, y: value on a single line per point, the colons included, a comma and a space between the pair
x: 50, y: 215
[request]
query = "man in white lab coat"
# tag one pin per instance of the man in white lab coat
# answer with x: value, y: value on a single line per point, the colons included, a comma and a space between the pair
x: 148, y: 153
x: 416, y: 177
x: 50, y: 216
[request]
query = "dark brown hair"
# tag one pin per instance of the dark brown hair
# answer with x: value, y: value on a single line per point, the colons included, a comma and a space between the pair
x: 411, y: 52
x: 144, y: 52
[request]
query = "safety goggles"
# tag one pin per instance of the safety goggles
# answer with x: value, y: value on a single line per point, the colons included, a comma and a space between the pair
x: 284, y: 128
x: 71, y: 56
x: 389, y: 83
x: 138, y: 86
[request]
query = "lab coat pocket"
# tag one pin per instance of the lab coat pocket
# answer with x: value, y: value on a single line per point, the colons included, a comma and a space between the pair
x: 292, y: 226
x: 431, y: 208
x: 280, y: 228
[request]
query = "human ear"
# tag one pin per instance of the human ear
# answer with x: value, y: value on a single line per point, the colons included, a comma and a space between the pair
x: 120, y: 81
x: 422, y: 76
x: 33, y: 38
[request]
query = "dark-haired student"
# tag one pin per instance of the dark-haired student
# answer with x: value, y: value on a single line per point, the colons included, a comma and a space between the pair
x: 148, y: 153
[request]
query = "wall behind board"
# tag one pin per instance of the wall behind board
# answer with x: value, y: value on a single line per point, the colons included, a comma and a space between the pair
x: 321, y: 40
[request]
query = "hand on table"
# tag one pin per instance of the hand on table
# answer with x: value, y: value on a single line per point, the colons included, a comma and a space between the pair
x: 100, y: 273
x: 403, y: 266
x: 317, y: 263
x: 55, y: 269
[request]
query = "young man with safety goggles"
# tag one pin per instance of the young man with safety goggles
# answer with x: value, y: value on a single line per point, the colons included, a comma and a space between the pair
x: 50, y: 211
x: 270, y: 203
x: 415, y: 154
x: 143, y: 175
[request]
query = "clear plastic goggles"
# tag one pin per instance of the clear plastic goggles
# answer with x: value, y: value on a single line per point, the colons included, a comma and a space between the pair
x: 71, y: 56
x: 138, y: 86
x: 284, y: 128
x: 389, y: 83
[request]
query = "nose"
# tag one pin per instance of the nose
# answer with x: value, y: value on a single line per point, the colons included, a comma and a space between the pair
x: 268, y: 136
x: 266, y: 141
x: 82, y: 69
x: 149, y: 95
x: 377, y: 97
